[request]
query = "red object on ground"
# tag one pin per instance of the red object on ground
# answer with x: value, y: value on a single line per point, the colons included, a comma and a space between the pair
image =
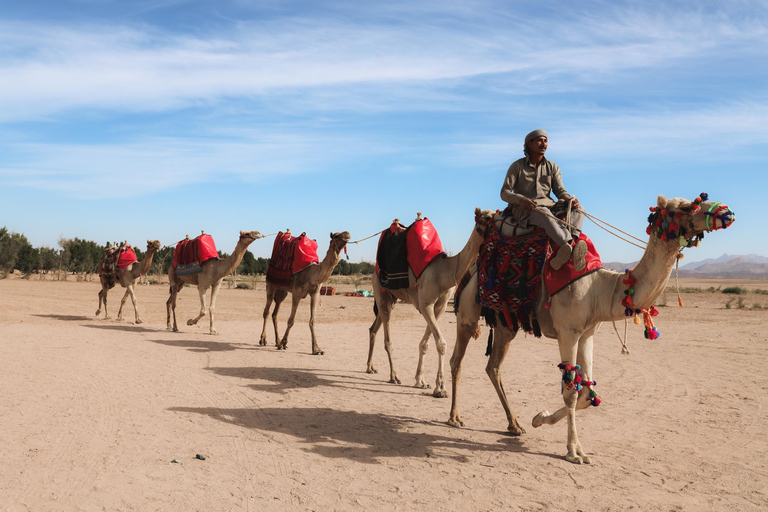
x: 126, y: 259
x: 327, y: 290
x: 556, y: 280
x: 423, y: 245
x: 198, y: 250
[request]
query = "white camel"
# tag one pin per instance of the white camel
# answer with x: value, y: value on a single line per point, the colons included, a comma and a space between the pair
x: 429, y: 294
x: 578, y: 309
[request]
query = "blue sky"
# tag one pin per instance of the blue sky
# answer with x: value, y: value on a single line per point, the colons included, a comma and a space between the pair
x: 153, y: 119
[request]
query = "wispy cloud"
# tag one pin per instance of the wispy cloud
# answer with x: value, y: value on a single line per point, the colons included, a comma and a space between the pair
x: 49, y: 68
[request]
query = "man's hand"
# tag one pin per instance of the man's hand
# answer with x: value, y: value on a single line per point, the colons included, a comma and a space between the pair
x: 575, y: 203
x: 528, y: 204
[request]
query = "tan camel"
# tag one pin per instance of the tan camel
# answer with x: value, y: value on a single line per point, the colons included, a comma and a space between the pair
x: 126, y: 279
x: 213, y: 272
x: 429, y: 294
x: 305, y: 282
x: 577, y: 311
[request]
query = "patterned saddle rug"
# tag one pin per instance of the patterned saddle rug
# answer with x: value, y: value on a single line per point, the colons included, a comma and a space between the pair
x: 509, y: 271
x: 117, y: 259
x: 190, y: 254
x: 290, y: 254
x: 400, y: 248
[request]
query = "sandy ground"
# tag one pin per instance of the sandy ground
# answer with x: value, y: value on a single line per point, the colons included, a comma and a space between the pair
x: 93, y: 412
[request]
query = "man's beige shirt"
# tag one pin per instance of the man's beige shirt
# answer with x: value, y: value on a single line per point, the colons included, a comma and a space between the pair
x: 536, y: 183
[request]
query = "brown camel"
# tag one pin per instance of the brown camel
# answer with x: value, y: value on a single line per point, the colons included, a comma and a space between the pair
x: 305, y: 282
x: 126, y: 279
x: 429, y: 294
x: 577, y: 311
x: 213, y: 271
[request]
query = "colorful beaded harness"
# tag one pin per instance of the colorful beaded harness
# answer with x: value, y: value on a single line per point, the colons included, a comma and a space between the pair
x: 572, y: 379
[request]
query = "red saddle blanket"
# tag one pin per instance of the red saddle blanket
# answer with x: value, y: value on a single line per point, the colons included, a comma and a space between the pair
x: 423, y: 244
x: 194, y: 251
x: 117, y: 258
x: 127, y: 257
x: 556, y: 280
x: 290, y: 255
x: 400, y: 248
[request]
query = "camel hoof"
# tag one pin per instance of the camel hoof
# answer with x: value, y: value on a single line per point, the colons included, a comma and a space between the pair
x: 98, y: 312
x: 394, y: 380
x: 138, y: 321
x: 422, y: 386
x: 440, y: 394
x: 175, y: 329
x: 578, y: 459
x: 263, y: 343
x: 372, y: 370
x: 538, y: 420
x: 191, y: 322
x: 456, y: 422
x: 214, y: 332
x: 516, y: 431
x: 318, y: 353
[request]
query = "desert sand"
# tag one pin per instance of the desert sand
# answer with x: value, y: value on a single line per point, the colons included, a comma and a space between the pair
x: 94, y: 412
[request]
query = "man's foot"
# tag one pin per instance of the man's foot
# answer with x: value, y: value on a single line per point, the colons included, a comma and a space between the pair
x: 562, y: 256
x: 580, y: 256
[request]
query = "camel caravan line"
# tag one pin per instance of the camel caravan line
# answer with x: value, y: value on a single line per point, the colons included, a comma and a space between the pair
x: 502, y: 274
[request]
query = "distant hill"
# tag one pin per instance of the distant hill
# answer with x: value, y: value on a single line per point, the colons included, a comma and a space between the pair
x: 730, y: 266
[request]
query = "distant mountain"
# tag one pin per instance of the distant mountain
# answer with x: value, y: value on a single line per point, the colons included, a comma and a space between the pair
x: 730, y: 266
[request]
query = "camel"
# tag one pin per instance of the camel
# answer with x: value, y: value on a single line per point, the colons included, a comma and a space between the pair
x: 213, y: 272
x: 305, y: 282
x: 429, y: 294
x: 126, y: 279
x: 576, y: 311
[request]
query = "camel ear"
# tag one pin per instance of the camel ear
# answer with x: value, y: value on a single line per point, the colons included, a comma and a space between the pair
x: 331, y: 234
x: 478, y: 211
x: 661, y: 201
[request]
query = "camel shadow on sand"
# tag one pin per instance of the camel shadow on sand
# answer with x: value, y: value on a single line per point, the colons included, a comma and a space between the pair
x: 282, y: 380
x: 66, y: 318
x: 117, y: 326
x: 362, y: 437
x: 205, y: 346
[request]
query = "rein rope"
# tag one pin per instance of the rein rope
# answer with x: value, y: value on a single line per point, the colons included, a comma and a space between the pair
x: 366, y: 238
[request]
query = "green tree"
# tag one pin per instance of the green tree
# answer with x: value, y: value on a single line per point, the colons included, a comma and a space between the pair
x: 49, y: 259
x: 248, y: 265
x: 28, y: 259
x: 10, y: 245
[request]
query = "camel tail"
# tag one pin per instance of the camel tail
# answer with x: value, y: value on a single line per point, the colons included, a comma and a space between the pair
x: 489, y: 348
x: 375, y: 309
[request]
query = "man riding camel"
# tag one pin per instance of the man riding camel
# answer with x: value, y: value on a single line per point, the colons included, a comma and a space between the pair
x: 527, y: 188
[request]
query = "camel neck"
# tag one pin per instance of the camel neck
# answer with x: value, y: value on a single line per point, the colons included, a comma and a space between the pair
x: 230, y: 263
x: 325, y: 268
x: 147, y: 261
x: 652, y: 272
x: 468, y: 255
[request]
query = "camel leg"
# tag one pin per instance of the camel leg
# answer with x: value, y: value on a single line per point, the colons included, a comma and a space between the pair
x: 214, y: 294
x: 568, y: 342
x: 466, y: 328
x: 385, y: 312
x: 423, y: 346
x: 372, y: 330
x: 263, y: 337
x: 170, y: 306
x: 439, y: 309
x: 428, y: 312
x: 280, y: 296
x: 102, y: 298
x: 312, y: 308
x: 122, y: 303
x: 499, y: 351
x: 294, y: 307
x: 203, y: 307
x: 585, y: 361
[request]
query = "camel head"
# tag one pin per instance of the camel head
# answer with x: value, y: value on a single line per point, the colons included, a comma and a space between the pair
x: 687, y: 221
x: 153, y: 245
x: 247, y: 237
x: 483, y: 218
x: 339, y: 240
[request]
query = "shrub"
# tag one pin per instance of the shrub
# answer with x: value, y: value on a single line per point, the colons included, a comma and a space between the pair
x: 761, y: 292
x: 757, y: 305
x: 243, y: 286
x: 735, y: 290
